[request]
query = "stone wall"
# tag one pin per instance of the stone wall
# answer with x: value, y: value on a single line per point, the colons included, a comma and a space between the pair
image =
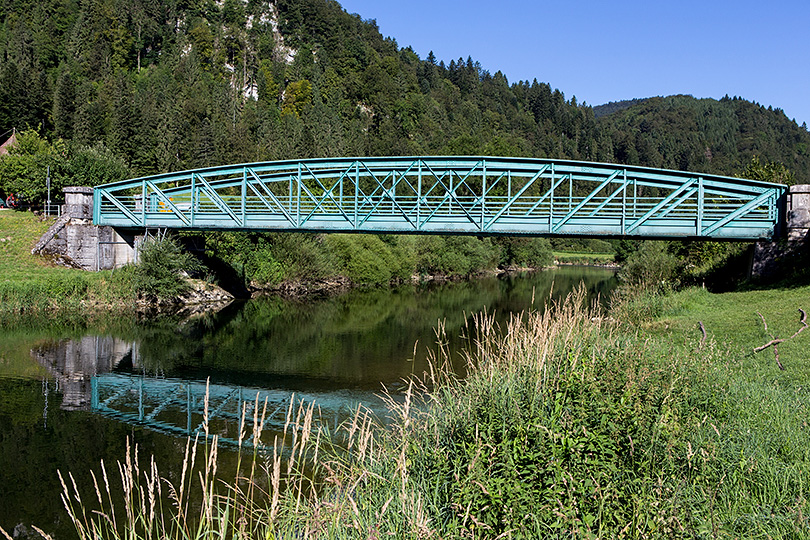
x: 79, y: 243
x: 780, y: 257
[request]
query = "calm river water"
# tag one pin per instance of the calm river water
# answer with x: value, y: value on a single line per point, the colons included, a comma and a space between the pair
x: 70, y: 397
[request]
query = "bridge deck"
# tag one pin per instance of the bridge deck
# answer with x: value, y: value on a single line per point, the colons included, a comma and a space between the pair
x: 447, y: 195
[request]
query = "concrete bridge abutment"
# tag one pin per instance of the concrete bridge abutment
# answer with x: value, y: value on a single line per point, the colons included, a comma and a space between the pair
x: 78, y: 242
x: 779, y: 258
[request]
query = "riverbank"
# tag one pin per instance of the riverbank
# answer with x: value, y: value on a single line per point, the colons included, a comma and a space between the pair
x: 293, y: 265
x: 568, y: 424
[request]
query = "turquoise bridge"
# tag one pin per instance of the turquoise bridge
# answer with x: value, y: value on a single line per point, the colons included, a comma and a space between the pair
x: 187, y: 408
x: 481, y: 196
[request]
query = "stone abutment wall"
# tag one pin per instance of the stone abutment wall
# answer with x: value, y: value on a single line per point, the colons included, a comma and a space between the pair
x: 781, y: 257
x: 75, y: 241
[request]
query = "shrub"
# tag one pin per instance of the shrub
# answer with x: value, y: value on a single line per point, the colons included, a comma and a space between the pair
x: 161, y: 266
x: 525, y: 251
x: 652, y: 266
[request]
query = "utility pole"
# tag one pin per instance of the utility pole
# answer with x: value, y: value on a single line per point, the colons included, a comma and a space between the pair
x: 48, y: 185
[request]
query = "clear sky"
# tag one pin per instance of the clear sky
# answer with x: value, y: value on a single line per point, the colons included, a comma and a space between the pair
x: 603, y: 50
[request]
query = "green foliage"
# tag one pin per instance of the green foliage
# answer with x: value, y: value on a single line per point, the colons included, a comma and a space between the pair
x: 31, y: 287
x: 297, y: 97
x: 26, y: 167
x: 582, y: 245
x: 624, y: 248
x: 162, y: 268
x: 525, y: 252
x: 652, y: 266
x: 768, y: 172
x: 250, y: 255
x: 456, y: 255
x: 365, y: 258
x: 705, y: 135
x: 262, y: 259
x: 94, y: 165
x: 170, y: 86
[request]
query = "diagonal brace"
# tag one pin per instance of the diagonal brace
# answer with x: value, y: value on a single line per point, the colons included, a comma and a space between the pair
x: 126, y: 211
x: 669, y: 198
x: 168, y: 203
x: 585, y: 201
x: 270, y: 193
x: 516, y: 196
x: 217, y: 200
x: 750, y: 205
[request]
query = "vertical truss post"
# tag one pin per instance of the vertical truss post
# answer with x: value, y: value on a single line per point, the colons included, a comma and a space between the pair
x: 624, y: 199
x: 551, y: 202
x: 244, y: 193
x: 635, y: 196
x: 509, y: 190
x: 570, y: 192
x: 144, y: 202
x: 483, y: 194
x: 193, y: 198
x: 290, y: 195
x: 356, y: 190
x: 701, y: 195
x: 450, y: 199
x: 419, y: 196
x: 298, y: 201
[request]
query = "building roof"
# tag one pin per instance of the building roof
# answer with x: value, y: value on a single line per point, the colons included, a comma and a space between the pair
x: 4, y: 148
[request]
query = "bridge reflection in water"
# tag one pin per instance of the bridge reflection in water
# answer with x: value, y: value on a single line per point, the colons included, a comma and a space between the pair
x: 93, y: 373
x: 178, y: 407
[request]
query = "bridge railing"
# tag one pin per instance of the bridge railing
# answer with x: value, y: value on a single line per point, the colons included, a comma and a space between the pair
x: 448, y: 195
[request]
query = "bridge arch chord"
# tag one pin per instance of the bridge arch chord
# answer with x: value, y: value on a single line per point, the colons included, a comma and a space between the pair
x: 447, y: 195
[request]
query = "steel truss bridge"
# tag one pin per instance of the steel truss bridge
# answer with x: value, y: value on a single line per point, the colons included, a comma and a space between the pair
x: 481, y: 196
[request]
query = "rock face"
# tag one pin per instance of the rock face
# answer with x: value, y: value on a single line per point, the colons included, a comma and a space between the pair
x: 205, y: 293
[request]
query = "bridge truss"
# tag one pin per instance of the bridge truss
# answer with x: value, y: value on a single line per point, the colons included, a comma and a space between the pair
x: 447, y: 195
x: 195, y: 408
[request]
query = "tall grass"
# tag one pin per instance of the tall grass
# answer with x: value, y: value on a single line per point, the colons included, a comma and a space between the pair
x: 565, y: 425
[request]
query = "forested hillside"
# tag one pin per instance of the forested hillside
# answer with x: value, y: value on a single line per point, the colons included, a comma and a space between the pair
x: 132, y: 87
x: 706, y: 135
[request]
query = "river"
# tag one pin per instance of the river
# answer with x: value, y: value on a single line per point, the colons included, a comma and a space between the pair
x: 72, y: 396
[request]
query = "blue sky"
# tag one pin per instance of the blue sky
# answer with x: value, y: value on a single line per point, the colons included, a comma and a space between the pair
x: 602, y: 51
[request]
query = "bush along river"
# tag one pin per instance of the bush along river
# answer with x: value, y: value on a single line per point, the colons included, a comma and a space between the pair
x: 70, y: 397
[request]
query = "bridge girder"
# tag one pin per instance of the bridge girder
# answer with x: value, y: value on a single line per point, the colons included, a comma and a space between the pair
x: 447, y: 195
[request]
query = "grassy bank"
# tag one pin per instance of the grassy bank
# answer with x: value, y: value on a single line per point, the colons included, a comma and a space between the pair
x: 589, y: 259
x: 567, y: 425
x: 34, y: 286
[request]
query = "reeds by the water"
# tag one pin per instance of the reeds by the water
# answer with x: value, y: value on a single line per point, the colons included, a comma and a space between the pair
x: 565, y: 426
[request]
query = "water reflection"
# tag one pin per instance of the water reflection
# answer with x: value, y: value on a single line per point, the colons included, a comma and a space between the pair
x: 335, y: 351
x: 72, y: 364
x: 357, y: 340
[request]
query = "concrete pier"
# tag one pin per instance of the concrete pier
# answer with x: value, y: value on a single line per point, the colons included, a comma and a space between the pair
x: 75, y: 239
x: 776, y: 258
